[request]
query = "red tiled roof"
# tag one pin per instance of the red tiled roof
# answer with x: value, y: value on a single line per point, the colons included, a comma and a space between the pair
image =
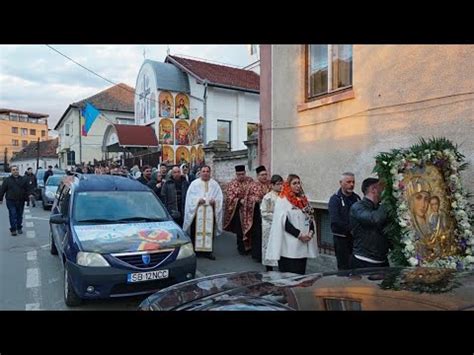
x: 47, y: 150
x: 30, y: 114
x: 120, y: 97
x: 220, y: 74
x: 132, y: 135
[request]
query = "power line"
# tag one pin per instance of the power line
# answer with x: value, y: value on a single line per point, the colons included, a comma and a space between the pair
x: 100, y: 76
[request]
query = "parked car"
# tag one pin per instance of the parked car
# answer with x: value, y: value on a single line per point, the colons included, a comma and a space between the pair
x: 40, y: 181
x: 3, y: 176
x: 361, y: 289
x: 115, y: 238
x: 48, y: 193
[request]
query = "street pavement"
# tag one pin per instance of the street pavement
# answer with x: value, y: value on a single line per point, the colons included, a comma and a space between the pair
x: 32, y: 278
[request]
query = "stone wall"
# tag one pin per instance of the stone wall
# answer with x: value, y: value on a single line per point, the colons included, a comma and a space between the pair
x: 222, y: 161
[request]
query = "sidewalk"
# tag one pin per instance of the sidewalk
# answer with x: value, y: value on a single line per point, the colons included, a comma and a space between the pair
x: 229, y: 260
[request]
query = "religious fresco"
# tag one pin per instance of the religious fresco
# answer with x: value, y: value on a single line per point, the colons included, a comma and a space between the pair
x: 200, y: 131
x: 193, y: 156
x: 168, y: 154
x: 430, y: 212
x: 182, y: 132
x: 193, y: 132
x: 183, y: 155
x: 200, y: 155
x: 166, y: 135
x: 182, y: 106
x: 166, y: 104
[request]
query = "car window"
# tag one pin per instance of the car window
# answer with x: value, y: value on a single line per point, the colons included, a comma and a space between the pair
x: 54, y: 180
x: 117, y: 205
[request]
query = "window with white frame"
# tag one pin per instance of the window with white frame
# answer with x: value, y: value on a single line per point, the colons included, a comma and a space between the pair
x: 329, y: 68
x: 224, y: 131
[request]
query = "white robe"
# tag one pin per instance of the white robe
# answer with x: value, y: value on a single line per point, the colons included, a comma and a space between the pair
x: 267, y: 206
x: 282, y: 243
x: 196, y: 191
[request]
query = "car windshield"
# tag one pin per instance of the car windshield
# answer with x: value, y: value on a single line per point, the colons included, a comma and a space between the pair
x: 118, y: 206
x: 54, y: 180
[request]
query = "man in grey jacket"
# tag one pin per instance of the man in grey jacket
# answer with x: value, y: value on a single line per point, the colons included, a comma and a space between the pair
x: 368, y: 219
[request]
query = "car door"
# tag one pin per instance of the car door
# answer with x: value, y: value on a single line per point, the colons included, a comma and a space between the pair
x: 63, y: 229
x: 59, y: 230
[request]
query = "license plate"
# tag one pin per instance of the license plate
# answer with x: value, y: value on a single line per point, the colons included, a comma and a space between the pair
x: 147, y: 276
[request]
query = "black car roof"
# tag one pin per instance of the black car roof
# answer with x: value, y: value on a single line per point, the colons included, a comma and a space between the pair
x: 90, y: 182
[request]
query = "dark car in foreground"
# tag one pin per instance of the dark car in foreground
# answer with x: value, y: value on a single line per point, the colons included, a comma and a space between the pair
x: 115, y: 238
x: 361, y: 289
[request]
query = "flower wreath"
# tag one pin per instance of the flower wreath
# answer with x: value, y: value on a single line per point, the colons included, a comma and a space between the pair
x: 390, y: 167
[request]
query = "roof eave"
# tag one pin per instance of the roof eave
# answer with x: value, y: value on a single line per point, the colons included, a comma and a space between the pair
x: 184, y: 68
x: 234, y: 88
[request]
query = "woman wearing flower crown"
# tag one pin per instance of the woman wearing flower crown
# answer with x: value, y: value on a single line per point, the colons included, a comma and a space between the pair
x: 291, y: 240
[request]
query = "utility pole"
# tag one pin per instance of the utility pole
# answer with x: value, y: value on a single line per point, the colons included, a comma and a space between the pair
x: 38, y: 155
x: 5, y: 159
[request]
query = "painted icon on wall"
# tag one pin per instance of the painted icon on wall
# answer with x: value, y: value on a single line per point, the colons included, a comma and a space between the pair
x: 193, y: 156
x: 182, y: 132
x: 182, y: 106
x: 166, y: 135
x: 200, y: 155
x: 183, y: 156
x: 166, y: 104
x: 168, y: 154
x: 200, y: 130
x: 193, y: 132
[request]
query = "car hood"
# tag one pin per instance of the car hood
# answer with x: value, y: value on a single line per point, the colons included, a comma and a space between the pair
x: 233, y: 291
x: 130, y: 237
x: 395, y: 288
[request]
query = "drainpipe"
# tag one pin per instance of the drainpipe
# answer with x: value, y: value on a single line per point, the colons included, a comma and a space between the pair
x: 205, y: 112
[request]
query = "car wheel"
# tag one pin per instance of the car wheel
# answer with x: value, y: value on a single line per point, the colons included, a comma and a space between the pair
x: 52, y: 248
x: 70, y: 297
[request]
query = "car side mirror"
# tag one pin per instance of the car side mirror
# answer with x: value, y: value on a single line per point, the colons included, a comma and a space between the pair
x: 57, y: 219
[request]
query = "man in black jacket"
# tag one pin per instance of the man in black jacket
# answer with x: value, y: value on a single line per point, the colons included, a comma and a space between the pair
x: 146, y: 175
x: 173, y: 195
x: 47, y: 174
x: 32, y: 183
x: 16, y: 190
x: 368, y: 218
x: 339, y: 206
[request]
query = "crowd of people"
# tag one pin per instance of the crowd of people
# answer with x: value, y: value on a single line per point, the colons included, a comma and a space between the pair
x: 271, y: 217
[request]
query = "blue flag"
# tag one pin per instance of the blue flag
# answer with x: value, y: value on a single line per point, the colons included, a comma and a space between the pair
x: 89, y: 113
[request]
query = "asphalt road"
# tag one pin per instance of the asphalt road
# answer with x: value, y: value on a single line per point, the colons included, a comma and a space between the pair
x: 32, y: 278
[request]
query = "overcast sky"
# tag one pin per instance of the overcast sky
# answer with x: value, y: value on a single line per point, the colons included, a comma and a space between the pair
x: 35, y: 78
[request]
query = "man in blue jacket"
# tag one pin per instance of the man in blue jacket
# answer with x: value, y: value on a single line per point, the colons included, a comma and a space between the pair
x: 339, y: 206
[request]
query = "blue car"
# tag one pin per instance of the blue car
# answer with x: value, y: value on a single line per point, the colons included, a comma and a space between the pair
x: 115, y: 238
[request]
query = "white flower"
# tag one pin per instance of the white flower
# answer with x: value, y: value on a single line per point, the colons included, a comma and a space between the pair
x: 469, y: 259
x: 384, y: 162
x: 413, y: 261
x: 454, y: 204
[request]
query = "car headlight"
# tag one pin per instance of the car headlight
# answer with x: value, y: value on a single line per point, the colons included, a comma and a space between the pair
x: 49, y: 194
x: 185, y: 251
x: 91, y: 259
